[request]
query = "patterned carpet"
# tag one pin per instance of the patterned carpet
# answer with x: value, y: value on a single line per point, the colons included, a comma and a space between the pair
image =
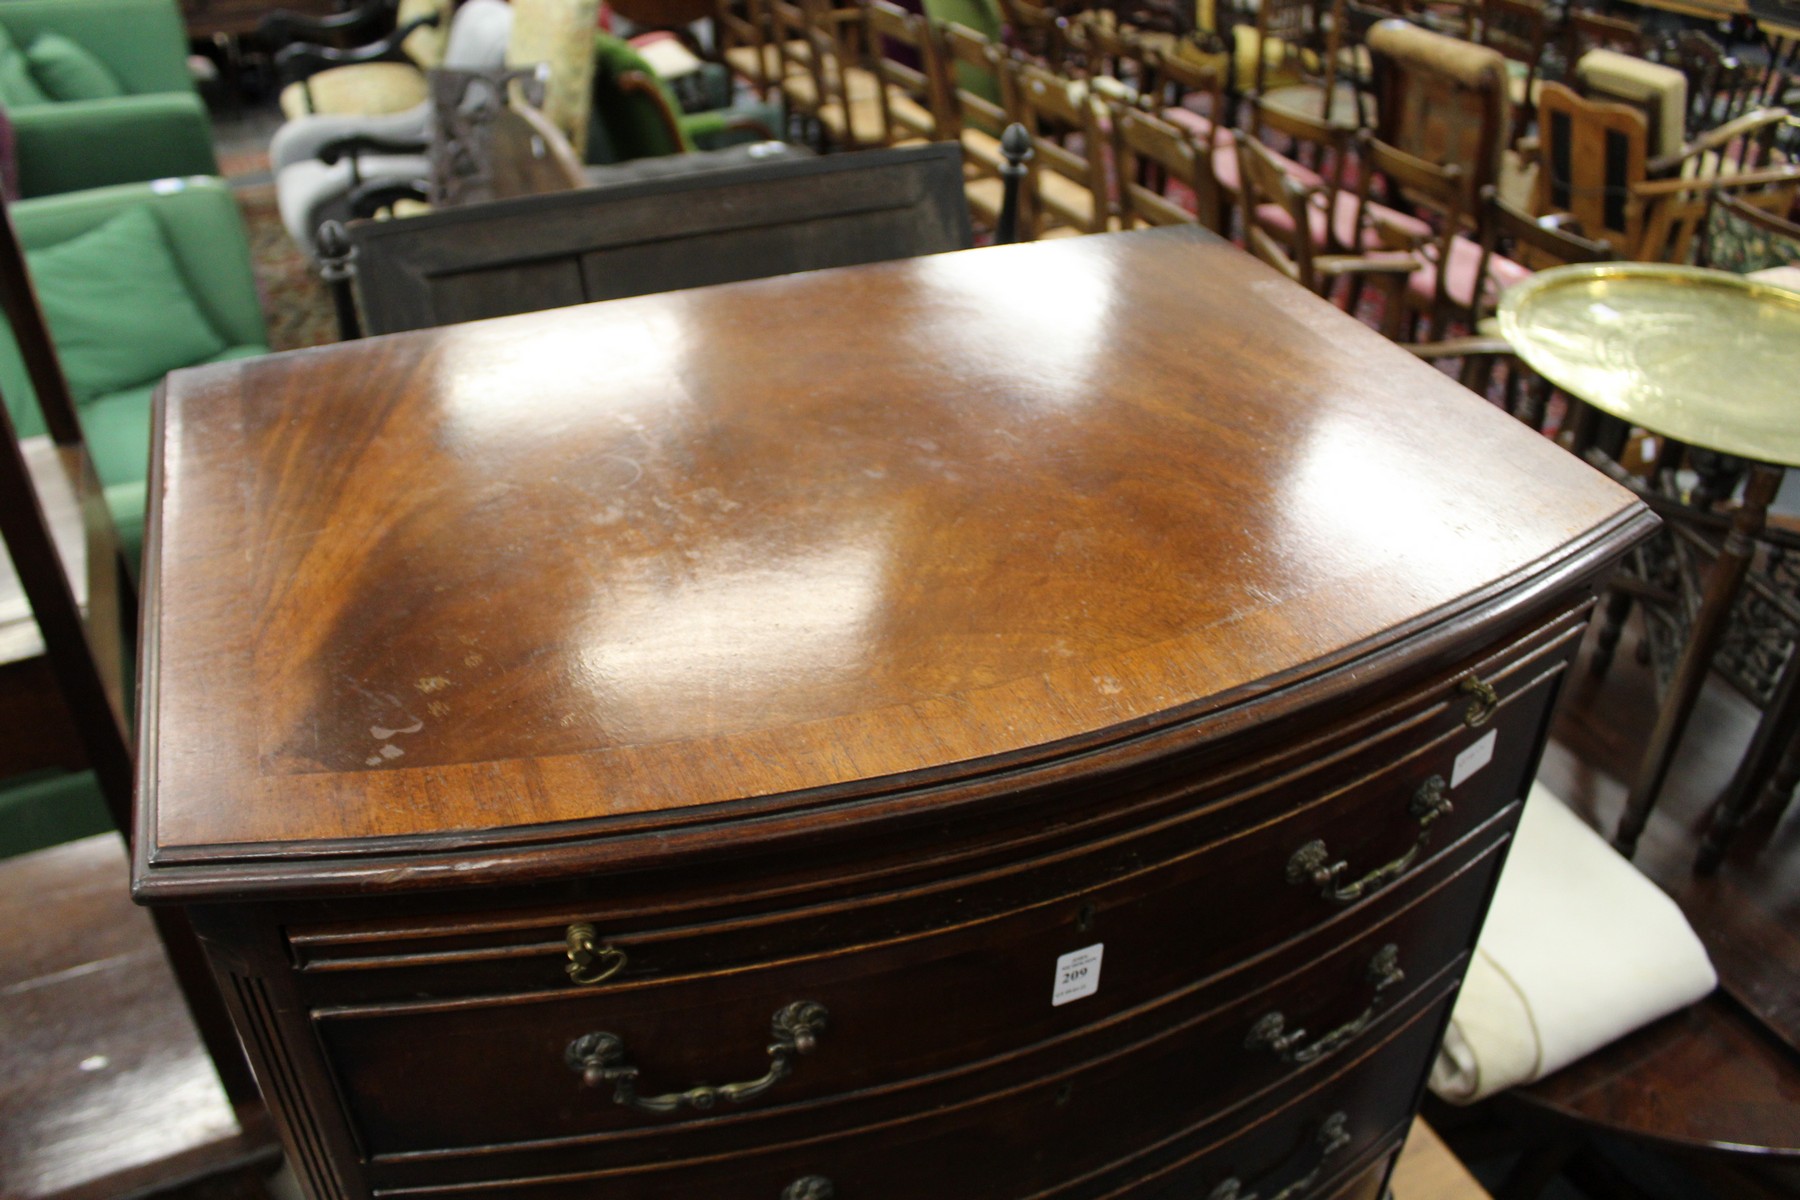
x: 294, y: 298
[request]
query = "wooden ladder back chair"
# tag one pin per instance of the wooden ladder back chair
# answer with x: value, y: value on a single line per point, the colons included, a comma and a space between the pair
x: 1720, y: 87
x: 912, y: 101
x: 1179, y: 81
x: 1437, y: 189
x: 978, y: 83
x: 1585, y: 30
x: 1267, y: 182
x: 1318, y: 153
x: 1299, y: 38
x: 1037, y: 31
x: 1114, y: 51
x: 1766, y: 237
x: 1142, y: 141
x: 1520, y: 30
x: 1068, y: 184
x: 1441, y: 100
x: 797, y: 68
x: 741, y: 28
x: 1512, y: 236
x: 1537, y: 243
x: 814, y: 81
x: 80, y: 893
x: 1782, y: 71
x: 1452, y: 18
x: 1590, y: 154
x: 1675, y: 211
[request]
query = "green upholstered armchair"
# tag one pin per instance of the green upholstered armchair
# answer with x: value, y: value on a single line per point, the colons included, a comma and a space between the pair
x: 635, y: 115
x: 155, y: 126
x: 175, y: 290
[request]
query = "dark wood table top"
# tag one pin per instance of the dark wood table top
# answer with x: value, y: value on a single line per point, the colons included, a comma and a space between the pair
x: 643, y: 564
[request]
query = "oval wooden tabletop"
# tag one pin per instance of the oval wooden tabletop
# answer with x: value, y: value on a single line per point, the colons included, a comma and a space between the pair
x: 656, y: 553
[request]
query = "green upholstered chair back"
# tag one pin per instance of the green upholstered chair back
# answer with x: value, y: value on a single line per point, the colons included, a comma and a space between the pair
x: 142, y: 42
x: 983, y: 16
x: 626, y: 125
x: 199, y: 218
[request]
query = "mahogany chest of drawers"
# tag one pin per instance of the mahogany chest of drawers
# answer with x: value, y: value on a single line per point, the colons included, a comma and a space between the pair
x: 1033, y: 722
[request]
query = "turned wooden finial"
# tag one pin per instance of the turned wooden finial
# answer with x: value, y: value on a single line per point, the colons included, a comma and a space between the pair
x: 1015, y: 144
x: 337, y: 267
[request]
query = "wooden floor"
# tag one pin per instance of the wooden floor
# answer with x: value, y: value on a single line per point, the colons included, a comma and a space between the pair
x: 1428, y: 1171
x: 105, y: 1090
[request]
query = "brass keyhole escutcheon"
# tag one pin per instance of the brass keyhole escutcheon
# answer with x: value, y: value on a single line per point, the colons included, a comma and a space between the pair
x: 590, y: 963
x: 1084, y: 918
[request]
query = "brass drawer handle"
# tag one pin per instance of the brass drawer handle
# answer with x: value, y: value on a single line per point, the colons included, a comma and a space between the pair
x: 1384, y: 972
x: 590, y: 964
x: 809, y: 1187
x: 1332, y: 1137
x: 1309, y: 863
x: 1484, y: 700
x: 599, y: 1058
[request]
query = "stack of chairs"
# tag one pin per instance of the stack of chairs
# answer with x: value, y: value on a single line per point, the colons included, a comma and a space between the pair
x: 1463, y: 117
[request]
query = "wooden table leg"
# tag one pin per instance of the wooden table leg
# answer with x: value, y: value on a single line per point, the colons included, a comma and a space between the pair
x: 1722, y: 583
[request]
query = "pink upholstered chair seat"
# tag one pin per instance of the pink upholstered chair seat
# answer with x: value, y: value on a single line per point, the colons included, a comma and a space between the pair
x: 1275, y: 219
x: 1225, y: 163
x: 1459, y: 275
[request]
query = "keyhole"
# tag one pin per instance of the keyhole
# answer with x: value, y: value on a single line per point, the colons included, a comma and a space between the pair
x: 1084, y: 918
x: 1064, y: 1093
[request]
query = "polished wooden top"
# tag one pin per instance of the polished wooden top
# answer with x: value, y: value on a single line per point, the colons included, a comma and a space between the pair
x: 792, y: 538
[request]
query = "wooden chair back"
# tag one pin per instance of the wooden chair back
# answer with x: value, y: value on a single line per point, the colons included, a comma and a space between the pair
x: 802, y: 51
x: 1591, y: 153
x: 599, y: 243
x: 1265, y: 180
x: 1037, y: 31
x: 1441, y: 100
x: 1175, y: 79
x: 1675, y: 211
x: 1435, y: 191
x: 489, y: 144
x: 1286, y: 32
x: 1720, y: 87
x: 1060, y: 116
x: 1143, y: 141
x: 1764, y: 216
x: 1520, y: 30
x: 1113, y: 51
x: 741, y: 30
x: 1314, y: 143
x: 1536, y: 242
x: 899, y: 52
x: 977, y: 80
x: 1584, y: 30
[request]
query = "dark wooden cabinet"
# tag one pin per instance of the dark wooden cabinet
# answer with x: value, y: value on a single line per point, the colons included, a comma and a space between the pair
x: 1041, y: 721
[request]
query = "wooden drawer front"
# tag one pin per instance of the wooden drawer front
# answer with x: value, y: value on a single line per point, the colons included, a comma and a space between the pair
x: 1368, y: 774
x: 1093, y: 1129
x: 491, y: 1075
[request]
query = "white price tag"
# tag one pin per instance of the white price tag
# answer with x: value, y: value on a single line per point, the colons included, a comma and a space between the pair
x: 1474, y: 757
x: 1077, y: 974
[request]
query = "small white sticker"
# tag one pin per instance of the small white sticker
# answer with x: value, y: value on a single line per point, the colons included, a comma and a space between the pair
x: 1077, y: 974
x: 1473, y: 758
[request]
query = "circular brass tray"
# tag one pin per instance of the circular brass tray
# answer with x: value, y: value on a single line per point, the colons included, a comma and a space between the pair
x: 1704, y: 357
